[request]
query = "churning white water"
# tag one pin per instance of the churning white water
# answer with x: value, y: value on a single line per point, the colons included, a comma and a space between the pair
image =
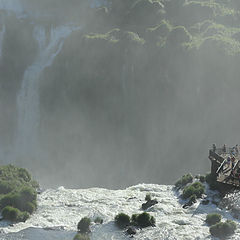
x: 28, y: 97
x: 65, y: 207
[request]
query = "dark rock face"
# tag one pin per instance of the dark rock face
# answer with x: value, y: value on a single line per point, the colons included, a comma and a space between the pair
x: 205, y: 202
x: 149, y: 204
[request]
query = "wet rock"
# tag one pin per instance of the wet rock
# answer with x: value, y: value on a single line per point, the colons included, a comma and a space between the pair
x: 149, y: 204
x: 205, y: 202
x: 131, y: 230
x: 236, y: 212
x: 190, y: 203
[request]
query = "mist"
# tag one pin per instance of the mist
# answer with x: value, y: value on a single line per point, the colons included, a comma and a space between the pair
x: 114, y: 93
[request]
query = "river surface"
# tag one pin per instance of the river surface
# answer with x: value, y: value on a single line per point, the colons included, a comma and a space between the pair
x: 59, y: 211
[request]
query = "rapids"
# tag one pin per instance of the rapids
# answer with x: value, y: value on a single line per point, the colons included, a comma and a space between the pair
x: 60, y: 209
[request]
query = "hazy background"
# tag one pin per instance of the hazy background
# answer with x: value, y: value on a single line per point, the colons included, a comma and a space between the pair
x: 138, y: 93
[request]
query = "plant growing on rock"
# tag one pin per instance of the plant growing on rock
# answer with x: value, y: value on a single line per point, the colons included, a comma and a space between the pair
x: 13, y: 214
x: 184, y: 180
x: 122, y: 220
x: 143, y: 220
x: 84, y: 224
x: 223, y: 230
x: 196, y: 188
x: 148, y: 197
x: 213, y: 218
x: 98, y: 220
x: 18, y: 193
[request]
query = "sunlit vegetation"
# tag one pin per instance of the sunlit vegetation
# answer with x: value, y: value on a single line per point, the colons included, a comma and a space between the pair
x: 184, y: 180
x: 122, y: 220
x: 196, y: 188
x: 223, y: 229
x: 18, y: 198
x: 211, y: 180
x: 213, y: 218
x: 143, y: 220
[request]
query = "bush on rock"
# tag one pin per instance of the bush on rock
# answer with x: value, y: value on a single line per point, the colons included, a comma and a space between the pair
x: 84, y: 224
x: 122, y: 220
x: 196, y: 188
x: 213, y: 218
x: 223, y: 230
x: 184, y: 180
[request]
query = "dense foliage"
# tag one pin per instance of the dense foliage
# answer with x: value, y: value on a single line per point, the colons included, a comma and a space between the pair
x: 223, y: 229
x: 184, y: 180
x: 213, y: 218
x: 122, y: 220
x: 196, y: 188
x: 84, y: 224
x: 17, y: 193
x: 143, y: 220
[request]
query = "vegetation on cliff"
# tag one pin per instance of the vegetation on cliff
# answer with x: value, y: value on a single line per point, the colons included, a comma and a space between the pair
x: 17, y: 193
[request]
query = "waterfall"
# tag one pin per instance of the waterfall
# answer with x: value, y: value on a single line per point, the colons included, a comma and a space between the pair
x: 15, y: 6
x: 28, y: 97
x: 2, y: 32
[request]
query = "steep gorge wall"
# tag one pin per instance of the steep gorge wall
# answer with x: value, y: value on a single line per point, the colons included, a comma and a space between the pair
x: 141, y: 89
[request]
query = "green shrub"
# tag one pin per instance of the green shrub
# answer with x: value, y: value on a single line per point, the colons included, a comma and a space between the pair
x: 193, y: 198
x: 202, y: 179
x: 18, y: 194
x: 24, y: 200
x: 211, y: 180
x: 122, y: 220
x: 223, y: 229
x: 84, y: 224
x: 184, y: 180
x: 148, y: 197
x: 98, y: 220
x: 24, y: 174
x: 213, y: 218
x: 80, y: 236
x: 30, y: 207
x: 196, y: 188
x: 6, y: 186
x: 134, y: 219
x: 144, y: 220
x: 14, y: 214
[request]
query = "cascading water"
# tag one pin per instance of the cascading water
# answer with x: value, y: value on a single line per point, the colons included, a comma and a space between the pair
x: 28, y: 97
x: 2, y: 33
x: 15, y: 6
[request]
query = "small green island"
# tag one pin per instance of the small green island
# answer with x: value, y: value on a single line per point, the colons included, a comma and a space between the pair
x: 18, y: 193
